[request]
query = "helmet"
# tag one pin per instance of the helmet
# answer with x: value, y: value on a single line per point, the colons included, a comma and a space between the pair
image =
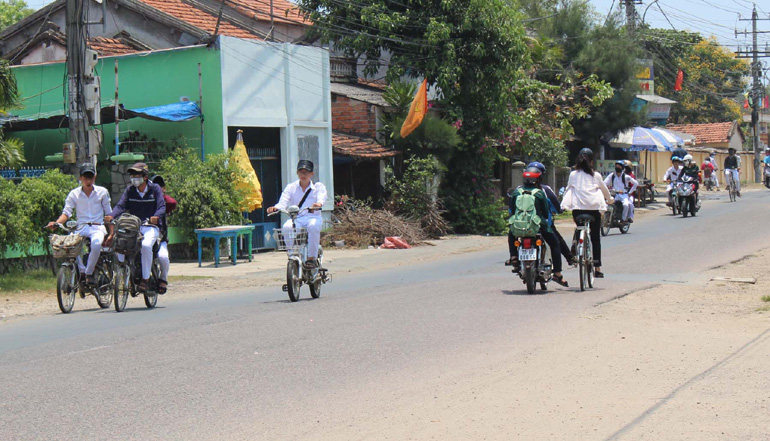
x: 675, y: 158
x: 537, y: 165
x: 731, y: 150
x: 687, y: 158
x: 531, y: 175
x: 587, y: 152
x: 713, y: 152
x: 628, y: 163
x: 621, y: 162
x: 158, y: 179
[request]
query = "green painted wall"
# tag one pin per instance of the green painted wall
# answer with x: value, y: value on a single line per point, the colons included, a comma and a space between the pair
x: 144, y: 80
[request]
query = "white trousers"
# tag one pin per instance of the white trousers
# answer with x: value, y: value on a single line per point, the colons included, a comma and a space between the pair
x: 96, y: 233
x: 313, y: 225
x: 627, y: 204
x: 631, y: 213
x: 148, y: 241
x: 163, y: 260
x: 736, y: 176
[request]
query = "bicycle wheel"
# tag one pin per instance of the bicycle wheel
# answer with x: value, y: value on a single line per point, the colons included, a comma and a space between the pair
x: 66, y: 286
x: 121, y: 286
x: 151, y: 295
x: 104, y: 281
x: 589, y: 260
x: 293, y: 279
x: 733, y: 191
x: 315, y: 285
x: 582, y: 262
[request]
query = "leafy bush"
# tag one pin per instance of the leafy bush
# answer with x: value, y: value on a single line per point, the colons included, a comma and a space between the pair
x: 205, y: 191
x: 415, y: 194
x: 29, y: 206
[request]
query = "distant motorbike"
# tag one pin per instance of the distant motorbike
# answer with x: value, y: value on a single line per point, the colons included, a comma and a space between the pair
x: 766, y: 175
x: 535, y: 267
x: 686, y: 197
x: 710, y: 182
x: 613, y: 217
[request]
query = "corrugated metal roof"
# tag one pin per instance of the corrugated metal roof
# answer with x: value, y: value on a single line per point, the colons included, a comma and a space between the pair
x: 361, y: 93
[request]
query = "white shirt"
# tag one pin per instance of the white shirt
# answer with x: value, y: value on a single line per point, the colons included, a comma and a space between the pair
x: 88, y: 208
x: 613, y: 181
x: 585, y: 192
x: 672, y: 174
x: 293, y: 194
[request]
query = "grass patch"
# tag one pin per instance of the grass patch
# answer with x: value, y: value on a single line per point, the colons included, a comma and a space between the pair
x: 766, y: 298
x: 562, y: 216
x: 34, y: 280
x: 765, y: 308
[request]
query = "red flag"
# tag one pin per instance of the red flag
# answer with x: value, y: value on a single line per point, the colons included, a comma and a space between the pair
x: 746, y: 103
x: 679, y: 79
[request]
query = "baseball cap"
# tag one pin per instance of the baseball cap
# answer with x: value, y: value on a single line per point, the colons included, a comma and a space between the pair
x: 304, y: 163
x: 139, y: 167
x: 158, y: 179
x: 87, y: 167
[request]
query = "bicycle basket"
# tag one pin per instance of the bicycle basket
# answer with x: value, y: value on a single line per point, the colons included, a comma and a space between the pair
x: 290, y: 239
x: 66, y: 246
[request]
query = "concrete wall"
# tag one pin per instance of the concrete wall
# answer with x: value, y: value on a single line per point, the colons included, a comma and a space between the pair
x: 285, y: 86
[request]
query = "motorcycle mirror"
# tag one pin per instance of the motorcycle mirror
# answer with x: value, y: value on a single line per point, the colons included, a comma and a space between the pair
x: 71, y: 224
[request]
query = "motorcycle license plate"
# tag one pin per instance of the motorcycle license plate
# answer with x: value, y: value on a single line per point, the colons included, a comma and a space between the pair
x: 527, y: 254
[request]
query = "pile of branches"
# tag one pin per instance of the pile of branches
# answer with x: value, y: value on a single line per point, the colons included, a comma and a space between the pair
x: 359, y: 225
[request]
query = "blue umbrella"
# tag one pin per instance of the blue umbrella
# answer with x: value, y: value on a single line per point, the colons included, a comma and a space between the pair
x: 639, y: 139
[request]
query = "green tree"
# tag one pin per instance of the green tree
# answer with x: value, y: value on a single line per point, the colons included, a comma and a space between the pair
x: 714, y: 80
x: 11, y: 150
x: 11, y: 11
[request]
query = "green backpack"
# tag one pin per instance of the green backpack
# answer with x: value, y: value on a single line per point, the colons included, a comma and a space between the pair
x: 525, y: 221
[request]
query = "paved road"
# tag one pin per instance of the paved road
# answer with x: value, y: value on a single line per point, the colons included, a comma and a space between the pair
x: 250, y: 365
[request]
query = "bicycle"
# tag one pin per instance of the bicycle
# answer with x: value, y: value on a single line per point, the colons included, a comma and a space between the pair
x: 294, y: 242
x: 69, y: 279
x: 731, y: 187
x: 581, y: 243
x: 129, y: 272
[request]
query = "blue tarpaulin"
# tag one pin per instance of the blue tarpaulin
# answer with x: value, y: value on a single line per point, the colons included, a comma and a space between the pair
x: 176, y: 112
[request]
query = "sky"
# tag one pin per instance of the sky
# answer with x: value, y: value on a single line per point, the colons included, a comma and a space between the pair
x: 707, y: 17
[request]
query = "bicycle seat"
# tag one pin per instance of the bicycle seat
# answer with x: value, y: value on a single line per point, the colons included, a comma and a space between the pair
x: 583, y: 219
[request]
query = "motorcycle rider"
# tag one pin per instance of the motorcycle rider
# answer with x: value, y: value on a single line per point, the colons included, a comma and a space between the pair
x: 144, y: 200
x: 555, y: 208
x: 708, y: 170
x: 713, y: 160
x: 91, y: 203
x: 623, y: 184
x: 691, y: 169
x: 671, y: 176
x: 532, y: 177
x: 631, y: 195
x: 766, y: 161
x: 733, y: 167
x: 163, y: 259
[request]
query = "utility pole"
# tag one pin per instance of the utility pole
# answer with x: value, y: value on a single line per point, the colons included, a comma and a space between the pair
x: 83, y: 88
x: 756, y: 89
x: 630, y: 6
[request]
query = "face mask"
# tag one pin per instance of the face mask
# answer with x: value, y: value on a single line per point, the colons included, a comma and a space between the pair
x: 137, y: 182
x: 618, y: 169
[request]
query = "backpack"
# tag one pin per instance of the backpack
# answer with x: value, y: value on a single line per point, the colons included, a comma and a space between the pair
x: 127, y: 236
x: 525, y: 221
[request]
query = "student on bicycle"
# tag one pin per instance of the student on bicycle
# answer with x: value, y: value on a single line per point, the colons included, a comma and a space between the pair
x: 733, y: 167
x: 305, y: 193
x: 587, y: 194
x: 533, y: 187
x: 144, y: 200
x: 163, y: 259
x: 92, y: 204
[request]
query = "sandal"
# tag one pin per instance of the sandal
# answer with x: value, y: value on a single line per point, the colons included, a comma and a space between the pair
x: 598, y: 274
x: 560, y: 280
x: 142, y: 286
x: 162, y: 286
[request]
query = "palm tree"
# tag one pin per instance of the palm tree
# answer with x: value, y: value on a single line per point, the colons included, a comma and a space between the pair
x: 11, y: 149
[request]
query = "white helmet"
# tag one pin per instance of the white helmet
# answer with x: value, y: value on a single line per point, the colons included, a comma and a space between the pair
x: 687, y: 159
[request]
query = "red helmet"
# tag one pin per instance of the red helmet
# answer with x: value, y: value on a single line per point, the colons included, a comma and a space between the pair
x: 531, y: 175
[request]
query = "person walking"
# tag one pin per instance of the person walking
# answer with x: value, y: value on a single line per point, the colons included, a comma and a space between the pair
x: 586, y: 193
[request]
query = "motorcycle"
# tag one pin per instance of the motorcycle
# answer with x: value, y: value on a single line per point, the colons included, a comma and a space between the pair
x: 674, y: 204
x: 613, y: 217
x: 766, y: 176
x: 534, y: 266
x: 686, y: 197
x: 709, y: 182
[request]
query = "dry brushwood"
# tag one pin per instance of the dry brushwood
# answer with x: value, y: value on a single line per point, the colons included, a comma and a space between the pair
x: 359, y: 226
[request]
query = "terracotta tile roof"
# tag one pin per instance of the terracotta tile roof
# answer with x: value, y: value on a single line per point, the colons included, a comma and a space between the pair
x: 284, y: 11
x: 198, y: 18
x: 110, y: 46
x: 357, y: 147
x: 711, y: 133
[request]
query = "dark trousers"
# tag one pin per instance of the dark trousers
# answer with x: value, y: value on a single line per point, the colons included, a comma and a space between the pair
x: 553, y: 242
x: 596, y: 245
